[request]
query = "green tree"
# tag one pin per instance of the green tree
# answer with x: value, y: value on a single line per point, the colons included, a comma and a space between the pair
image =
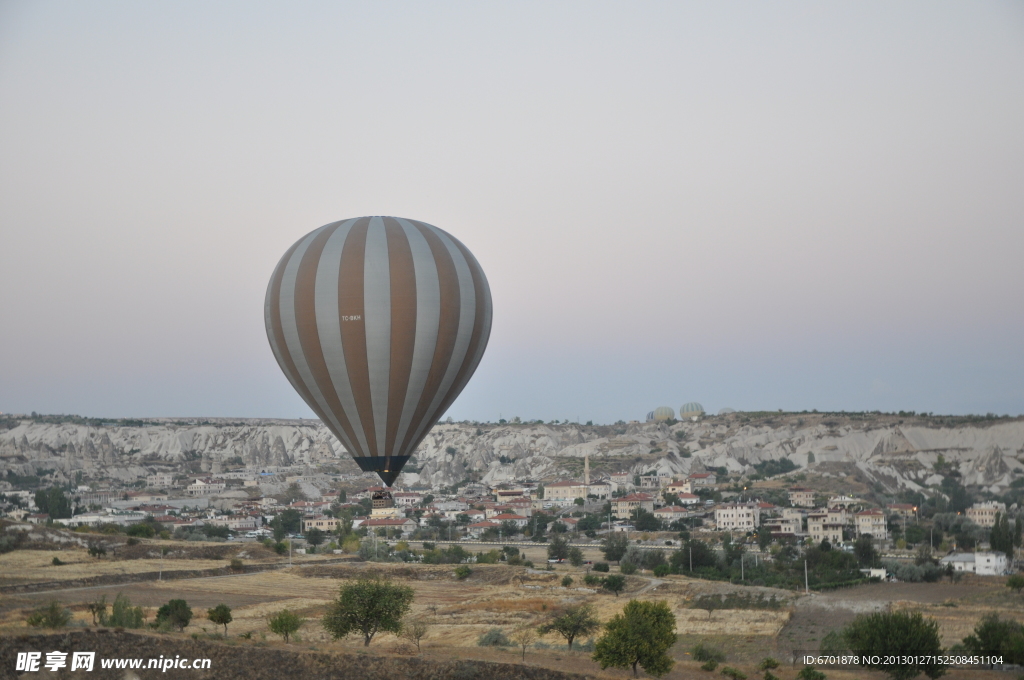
x: 640, y: 636
x: 575, y: 556
x: 123, y: 614
x: 993, y: 636
x: 558, y: 548
x: 646, y: 521
x: 614, y: 546
x: 51, y: 615
x: 175, y: 613
x: 1015, y: 583
x: 221, y: 615
x: 573, y: 622
x: 368, y: 606
x: 141, y: 530
x: 287, y: 522
x: 864, y: 549
x: 314, y: 536
x: 284, y: 623
x: 615, y: 583
x: 53, y: 502
x: 897, y: 633
x: 98, y: 609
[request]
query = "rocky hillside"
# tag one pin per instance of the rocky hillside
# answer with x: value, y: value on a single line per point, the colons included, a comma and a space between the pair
x: 894, y: 451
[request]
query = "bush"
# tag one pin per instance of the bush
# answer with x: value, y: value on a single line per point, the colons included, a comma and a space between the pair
x: 495, y: 637
x: 601, y: 566
x: 710, y: 665
x: 591, y: 580
x: 627, y: 568
x: 767, y: 664
x: 462, y: 571
x: 662, y: 570
x: 123, y: 614
x: 52, y: 615
x: 703, y: 652
x: 734, y: 673
x: 567, y: 581
x: 57, y: 562
x: 810, y: 673
x: 236, y: 564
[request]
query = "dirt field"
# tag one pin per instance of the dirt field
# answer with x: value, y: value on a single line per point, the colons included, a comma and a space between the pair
x: 499, y: 596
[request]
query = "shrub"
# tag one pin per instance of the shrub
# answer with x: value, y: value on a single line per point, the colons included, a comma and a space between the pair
x: 52, y: 615
x: 709, y: 665
x: 567, y: 581
x: 601, y: 566
x: 123, y: 614
x: 57, y: 562
x: 495, y: 637
x: 703, y: 652
x: 175, y: 613
x: 462, y: 571
x: 627, y: 568
x: 734, y: 673
x: 811, y: 673
x: 767, y: 664
x: 591, y: 580
x: 236, y: 564
x: 662, y: 570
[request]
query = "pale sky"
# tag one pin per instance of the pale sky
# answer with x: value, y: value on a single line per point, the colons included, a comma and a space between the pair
x: 751, y: 205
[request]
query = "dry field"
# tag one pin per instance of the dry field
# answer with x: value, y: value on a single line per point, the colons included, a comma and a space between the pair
x: 498, y: 596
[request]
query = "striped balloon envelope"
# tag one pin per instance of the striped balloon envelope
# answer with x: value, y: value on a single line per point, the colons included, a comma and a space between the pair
x: 378, y: 323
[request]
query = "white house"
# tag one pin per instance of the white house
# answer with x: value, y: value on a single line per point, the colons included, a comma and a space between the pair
x: 741, y: 516
x: 981, y: 563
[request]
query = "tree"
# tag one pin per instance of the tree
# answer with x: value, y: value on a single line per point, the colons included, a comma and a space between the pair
x: 614, y: 583
x: 575, y: 556
x: 123, y: 614
x: 415, y: 631
x: 899, y: 634
x: 864, y: 549
x: 646, y: 521
x: 98, y: 609
x: 97, y: 550
x: 368, y: 606
x: 641, y: 635
x: 287, y: 522
x: 284, y: 623
x: 1015, y: 583
x: 558, y: 548
x: 614, y: 546
x: 175, y: 613
x: 572, y: 623
x: 524, y: 637
x: 52, y: 615
x: 314, y: 536
x: 53, y: 502
x: 221, y: 615
x: 993, y: 636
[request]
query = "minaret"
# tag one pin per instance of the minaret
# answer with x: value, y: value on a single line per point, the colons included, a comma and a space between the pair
x: 586, y: 469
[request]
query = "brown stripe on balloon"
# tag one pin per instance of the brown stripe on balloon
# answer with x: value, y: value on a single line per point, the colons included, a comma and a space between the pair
x: 309, y: 335
x: 353, y: 326
x: 285, y: 358
x: 403, y: 327
x: 447, y: 328
x: 479, y: 334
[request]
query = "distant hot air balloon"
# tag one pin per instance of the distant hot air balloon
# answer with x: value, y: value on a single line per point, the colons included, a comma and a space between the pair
x: 378, y: 323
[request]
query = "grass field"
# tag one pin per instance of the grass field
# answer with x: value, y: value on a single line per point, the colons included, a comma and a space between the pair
x: 499, y: 596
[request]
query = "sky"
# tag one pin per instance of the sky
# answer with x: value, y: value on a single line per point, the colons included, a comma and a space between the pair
x: 750, y: 205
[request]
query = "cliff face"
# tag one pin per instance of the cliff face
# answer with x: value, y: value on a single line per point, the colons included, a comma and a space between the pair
x: 899, y: 455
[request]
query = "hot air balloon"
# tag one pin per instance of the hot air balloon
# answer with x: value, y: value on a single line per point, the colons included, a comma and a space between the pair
x: 378, y: 323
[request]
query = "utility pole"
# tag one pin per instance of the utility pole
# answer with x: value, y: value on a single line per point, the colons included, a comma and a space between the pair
x: 807, y: 588
x: 742, y: 577
x: 691, y: 557
x: 289, y: 552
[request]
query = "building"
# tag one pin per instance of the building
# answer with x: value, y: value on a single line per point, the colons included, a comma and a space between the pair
x: 845, y: 501
x: 981, y: 563
x: 477, y: 528
x: 204, y: 487
x: 654, y: 481
x: 820, y: 528
x: 779, y: 526
x: 737, y: 516
x: 801, y: 497
x: 389, y: 526
x: 688, y: 499
x: 901, y: 509
x: 622, y: 481
x: 705, y: 479
x: 407, y: 499
x: 320, y: 522
x: 626, y: 507
x: 679, y: 487
x: 871, y: 523
x: 160, y: 480
x: 670, y: 513
x: 565, y: 493
x: 519, y: 520
x: 984, y: 514
x: 505, y: 495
